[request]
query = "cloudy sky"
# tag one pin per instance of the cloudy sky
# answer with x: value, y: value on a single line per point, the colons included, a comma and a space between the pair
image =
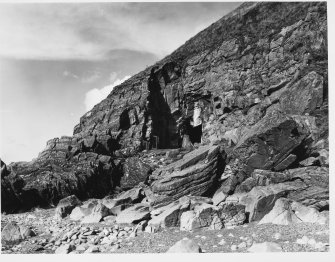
x: 58, y: 60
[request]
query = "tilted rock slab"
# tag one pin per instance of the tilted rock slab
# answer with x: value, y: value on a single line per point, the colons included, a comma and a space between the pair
x: 286, y: 212
x: 195, y: 174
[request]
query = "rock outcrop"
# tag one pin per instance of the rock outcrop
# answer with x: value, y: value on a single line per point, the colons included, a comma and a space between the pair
x: 248, y: 93
x: 195, y: 174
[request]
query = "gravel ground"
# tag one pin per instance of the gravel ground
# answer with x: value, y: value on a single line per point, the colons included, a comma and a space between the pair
x: 210, y: 241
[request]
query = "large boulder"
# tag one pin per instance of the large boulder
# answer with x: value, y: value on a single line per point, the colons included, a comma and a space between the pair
x: 14, y: 233
x: 97, y: 214
x: 195, y: 174
x: 201, y: 216
x: 66, y: 205
x: 170, y: 215
x: 286, y: 212
x: 133, y: 214
x: 316, y: 191
x: 261, y: 199
x: 268, y: 144
x: 265, y: 247
x: 185, y: 246
x: 134, y: 172
x: 304, y: 96
x: 133, y: 195
x: 60, y: 170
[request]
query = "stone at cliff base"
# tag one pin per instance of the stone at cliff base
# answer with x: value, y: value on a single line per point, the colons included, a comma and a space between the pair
x: 286, y: 212
x: 98, y: 213
x: 133, y: 214
x: 185, y: 246
x: 66, y: 205
x: 202, y: 216
x: 255, y: 151
x: 228, y: 85
x: 195, y: 174
x: 79, y: 213
x: 134, y: 172
x: 265, y: 247
x: 13, y: 233
x: 65, y: 249
x: 261, y: 199
x: 169, y: 216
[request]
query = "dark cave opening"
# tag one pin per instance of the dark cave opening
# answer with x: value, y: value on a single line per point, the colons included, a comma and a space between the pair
x: 195, y: 134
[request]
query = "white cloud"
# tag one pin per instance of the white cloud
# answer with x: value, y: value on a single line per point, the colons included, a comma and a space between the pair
x: 69, y: 74
x: 95, y: 95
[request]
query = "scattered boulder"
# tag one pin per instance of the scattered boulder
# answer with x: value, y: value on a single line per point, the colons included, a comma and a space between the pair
x: 201, y: 216
x: 97, y: 214
x: 286, y: 212
x: 79, y: 213
x: 169, y: 216
x: 65, y: 249
x: 268, y: 143
x: 194, y: 174
x: 261, y: 199
x: 134, y: 172
x: 265, y: 247
x: 185, y: 246
x: 134, y: 214
x: 66, y: 205
x: 133, y: 195
x: 13, y: 233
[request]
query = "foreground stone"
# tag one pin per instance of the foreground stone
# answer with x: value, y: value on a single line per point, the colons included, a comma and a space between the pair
x: 133, y: 214
x: 185, y: 246
x: 13, y: 233
x: 66, y: 205
x: 261, y: 199
x: 286, y: 212
x: 65, y: 249
x: 195, y: 174
x: 265, y: 247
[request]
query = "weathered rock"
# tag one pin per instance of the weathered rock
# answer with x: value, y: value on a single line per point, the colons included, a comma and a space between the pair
x: 134, y: 214
x: 201, y: 216
x: 286, y: 212
x: 310, y: 161
x: 261, y: 199
x: 13, y: 233
x: 53, y: 176
x: 304, y: 96
x: 316, y: 189
x: 268, y: 144
x: 97, y: 214
x: 195, y: 174
x: 65, y: 249
x: 134, y: 172
x: 265, y: 247
x: 170, y: 215
x: 223, y: 84
x: 66, y: 205
x: 185, y: 246
x: 133, y: 195
x: 219, y: 197
x: 79, y: 213
x: 232, y: 214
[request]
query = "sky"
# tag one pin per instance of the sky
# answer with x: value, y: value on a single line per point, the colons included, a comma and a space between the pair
x: 57, y: 60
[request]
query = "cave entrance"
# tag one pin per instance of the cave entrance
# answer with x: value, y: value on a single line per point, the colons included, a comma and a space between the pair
x: 195, y: 133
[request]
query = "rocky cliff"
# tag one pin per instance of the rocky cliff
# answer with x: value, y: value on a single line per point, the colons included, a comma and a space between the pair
x: 255, y: 83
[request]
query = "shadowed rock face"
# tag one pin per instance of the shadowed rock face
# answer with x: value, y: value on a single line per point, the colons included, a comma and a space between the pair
x: 247, y: 82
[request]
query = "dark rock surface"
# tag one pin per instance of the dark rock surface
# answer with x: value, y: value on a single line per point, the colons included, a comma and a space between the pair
x: 195, y: 174
x: 243, y: 104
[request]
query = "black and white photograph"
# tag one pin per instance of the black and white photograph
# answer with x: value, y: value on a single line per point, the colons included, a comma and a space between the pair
x: 165, y: 127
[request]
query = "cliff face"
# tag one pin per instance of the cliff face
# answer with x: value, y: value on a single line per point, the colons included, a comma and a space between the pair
x: 216, y: 88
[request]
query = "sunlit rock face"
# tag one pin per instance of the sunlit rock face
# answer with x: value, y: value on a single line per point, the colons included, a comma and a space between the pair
x: 221, y: 87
